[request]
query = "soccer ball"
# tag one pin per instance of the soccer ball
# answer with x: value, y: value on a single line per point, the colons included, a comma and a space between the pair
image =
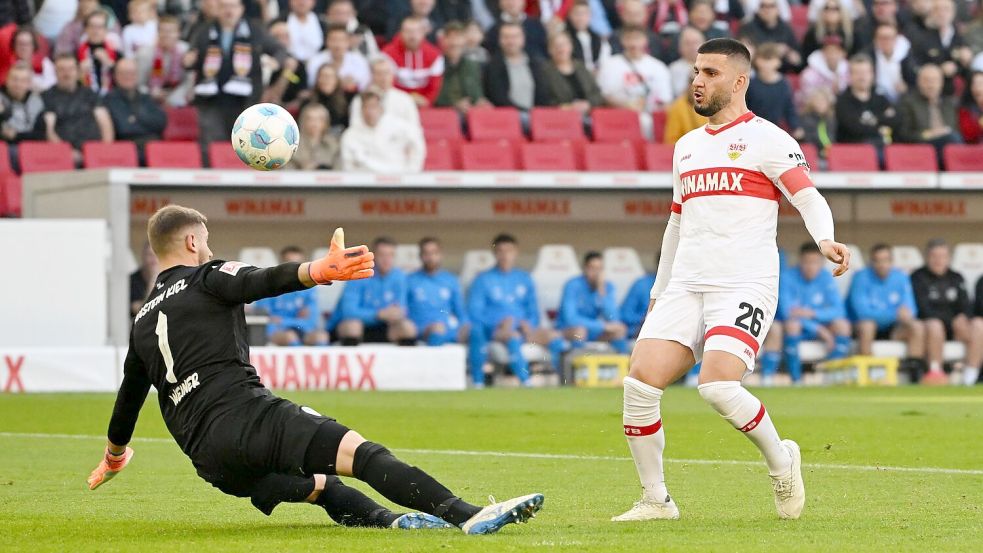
x: 265, y: 136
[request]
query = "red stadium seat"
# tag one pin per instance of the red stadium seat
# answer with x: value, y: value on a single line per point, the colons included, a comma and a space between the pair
x: 5, y: 159
x: 659, y: 125
x: 441, y: 124
x: 812, y: 155
x: 556, y: 125
x: 487, y: 156
x: 658, y: 157
x: 963, y: 157
x: 548, y: 157
x: 442, y: 155
x: 10, y: 195
x: 99, y: 155
x: 910, y: 157
x: 37, y: 157
x: 173, y: 155
x: 610, y: 157
x: 182, y: 124
x: 800, y: 21
x: 222, y: 156
x: 488, y: 124
x: 616, y: 125
x: 852, y: 157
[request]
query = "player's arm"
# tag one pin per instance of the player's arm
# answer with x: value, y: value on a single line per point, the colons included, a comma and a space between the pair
x: 129, y: 400
x: 670, y: 240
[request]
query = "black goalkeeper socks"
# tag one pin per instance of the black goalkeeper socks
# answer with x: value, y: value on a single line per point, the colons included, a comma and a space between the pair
x: 350, y: 507
x: 408, y: 486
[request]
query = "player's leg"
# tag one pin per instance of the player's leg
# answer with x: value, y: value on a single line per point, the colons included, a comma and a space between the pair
x: 616, y: 334
x: 911, y: 331
x: 792, y: 331
x: 935, y: 337
x: 840, y: 328
x: 507, y: 333
x: 866, y: 332
x: 577, y: 335
x: 662, y: 355
x: 478, y: 353
x: 284, y: 337
x: 435, y: 334
x: 970, y: 332
x: 316, y: 337
x: 736, y: 325
x: 402, y: 332
x: 350, y: 332
x: 772, y: 355
x: 553, y: 341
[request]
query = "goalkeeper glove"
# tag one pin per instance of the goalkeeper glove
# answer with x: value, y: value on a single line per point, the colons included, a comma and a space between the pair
x: 342, y: 263
x: 110, y: 466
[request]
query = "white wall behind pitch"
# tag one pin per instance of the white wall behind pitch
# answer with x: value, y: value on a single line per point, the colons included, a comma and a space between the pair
x: 53, y: 283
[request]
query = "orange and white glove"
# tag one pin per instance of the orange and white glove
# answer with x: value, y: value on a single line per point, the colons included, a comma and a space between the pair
x: 110, y: 466
x: 342, y: 263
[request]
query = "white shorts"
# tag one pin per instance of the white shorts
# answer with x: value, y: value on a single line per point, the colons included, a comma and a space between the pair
x: 735, y: 321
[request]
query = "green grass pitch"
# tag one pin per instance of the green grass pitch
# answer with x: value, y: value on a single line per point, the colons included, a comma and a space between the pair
x: 158, y: 504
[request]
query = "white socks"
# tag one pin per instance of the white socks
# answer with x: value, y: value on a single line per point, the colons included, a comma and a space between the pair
x: 739, y: 407
x: 646, y: 439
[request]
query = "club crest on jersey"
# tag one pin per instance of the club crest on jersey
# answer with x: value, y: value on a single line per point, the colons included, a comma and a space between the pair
x: 735, y: 150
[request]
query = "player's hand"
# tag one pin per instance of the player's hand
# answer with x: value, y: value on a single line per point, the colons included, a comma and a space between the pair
x: 342, y: 263
x: 110, y: 466
x: 837, y: 253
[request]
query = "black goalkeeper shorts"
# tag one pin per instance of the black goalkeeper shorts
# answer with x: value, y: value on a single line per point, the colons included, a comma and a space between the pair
x: 267, y: 435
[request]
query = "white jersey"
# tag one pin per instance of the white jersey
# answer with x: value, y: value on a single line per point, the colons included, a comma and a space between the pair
x: 726, y: 186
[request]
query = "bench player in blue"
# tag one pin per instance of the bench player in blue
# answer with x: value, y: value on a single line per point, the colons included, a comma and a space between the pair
x: 588, y: 310
x: 295, y: 318
x: 434, y: 300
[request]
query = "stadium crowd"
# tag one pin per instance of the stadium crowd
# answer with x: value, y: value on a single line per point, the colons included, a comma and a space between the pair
x: 429, y: 306
x: 357, y: 71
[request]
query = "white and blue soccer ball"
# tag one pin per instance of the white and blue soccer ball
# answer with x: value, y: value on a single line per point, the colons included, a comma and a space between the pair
x: 265, y: 137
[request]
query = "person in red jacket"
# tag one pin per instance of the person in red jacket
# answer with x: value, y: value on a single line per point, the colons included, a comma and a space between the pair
x: 419, y: 64
x: 971, y: 114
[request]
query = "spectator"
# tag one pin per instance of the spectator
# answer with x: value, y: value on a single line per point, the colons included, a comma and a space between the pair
x: 810, y: 307
x: 635, y: 80
x: 568, y: 84
x: 939, y: 43
x: 362, y: 39
x: 474, y: 37
x: 769, y: 94
x: 703, y: 19
x: 512, y: 77
x: 851, y: 9
x: 142, y: 29
x: 160, y: 65
x: 19, y: 105
x: 24, y: 47
x: 226, y: 59
x: 18, y: 12
x: 502, y: 307
x: 434, y: 300
x: 551, y: 13
x: 327, y: 91
x: 306, y: 30
x: 136, y: 116
x: 862, y: 115
x: 668, y: 17
x: 461, y: 87
x: 883, y: 307
x: 203, y: 20
x: 374, y: 309
x: 589, y: 47
x: 971, y: 114
x: 890, y: 52
x: 782, y: 6
x: 318, y: 148
x: 588, y: 311
x: 482, y: 13
x: 681, y: 70
x: 513, y: 12
x: 431, y: 19
x: 70, y: 37
x: 635, y: 306
x: 767, y: 26
x: 826, y: 68
x: 351, y: 66
x: 97, y: 54
x: 634, y: 15
x: 928, y: 116
x: 681, y: 118
x: 944, y: 306
x: 295, y: 318
x: 832, y: 22
x: 818, y: 121
x: 143, y: 278
x: 395, y: 102
x: 973, y: 32
x: 286, y: 83
x: 419, y: 64
x: 73, y: 113
x: 381, y: 143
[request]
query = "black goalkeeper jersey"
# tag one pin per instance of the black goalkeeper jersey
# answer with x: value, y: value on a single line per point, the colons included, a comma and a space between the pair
x: 189, y: 342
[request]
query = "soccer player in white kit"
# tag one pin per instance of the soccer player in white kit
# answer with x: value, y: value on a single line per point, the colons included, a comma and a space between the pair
x: 716, y: 290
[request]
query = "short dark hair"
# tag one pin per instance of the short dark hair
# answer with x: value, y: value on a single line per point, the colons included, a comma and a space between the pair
x: 455, y: 27
x: 334, y: 27
x: 428, y: 240
x: 768, y: 51
x: 383, y: 241
x: 289, y: 250
x: 97, y: 13
x: 163, y: 226
x: 809, y: 247
x: 728, y: 47
x: 879, y: 247
x: 632, y: 30
x: 67, y: 56
x: 591, y: 256
x: 936, y: 243
x: 504, y: 238
x: 861, y: 57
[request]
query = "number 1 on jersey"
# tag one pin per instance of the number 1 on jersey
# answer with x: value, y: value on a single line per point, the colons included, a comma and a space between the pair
x: 165, y: 347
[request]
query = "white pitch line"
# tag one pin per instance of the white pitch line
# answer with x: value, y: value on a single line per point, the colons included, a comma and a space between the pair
x: 561, y: 456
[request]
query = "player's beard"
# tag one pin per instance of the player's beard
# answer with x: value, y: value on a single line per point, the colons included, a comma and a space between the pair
x: 716, y: 103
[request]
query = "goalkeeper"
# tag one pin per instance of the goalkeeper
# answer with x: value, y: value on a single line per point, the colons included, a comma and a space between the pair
x: 188, y: 341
